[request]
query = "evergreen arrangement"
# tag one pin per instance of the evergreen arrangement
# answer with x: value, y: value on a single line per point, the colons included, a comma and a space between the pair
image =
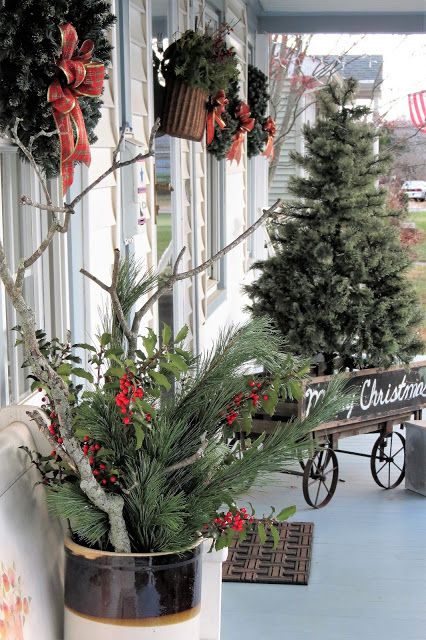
x: 257, y: 99
x: 27, y: 66
x: 169, y: 433
x: 337, y: 286
x: 202, y: 60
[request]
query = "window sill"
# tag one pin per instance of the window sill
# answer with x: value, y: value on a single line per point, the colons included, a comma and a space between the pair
x: 215, y: 298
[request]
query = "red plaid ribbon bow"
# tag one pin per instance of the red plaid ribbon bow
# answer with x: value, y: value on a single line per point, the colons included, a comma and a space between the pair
x: 271, y: 129
x: 83, y: 78
x: 215, y: 109
x: 242, y: 112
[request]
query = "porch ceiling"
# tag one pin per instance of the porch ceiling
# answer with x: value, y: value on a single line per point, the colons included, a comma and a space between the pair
x: 340, y: 16
x: 342, y: 6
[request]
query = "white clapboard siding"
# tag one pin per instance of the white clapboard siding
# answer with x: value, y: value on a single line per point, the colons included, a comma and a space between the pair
x: 145, y: 243
x: 292, y: 142
x: 236, y: 183
x: 101, y: 213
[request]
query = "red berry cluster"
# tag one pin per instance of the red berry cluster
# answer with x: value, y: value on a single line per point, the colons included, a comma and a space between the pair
x: 254, y: 396
x: 236, y: 521
x: 53, y: 427
x: 99, y: 469
x: 129, y: 390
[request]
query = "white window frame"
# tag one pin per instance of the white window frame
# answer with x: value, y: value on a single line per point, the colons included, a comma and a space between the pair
x: 215, y: 205
x: 46, y: 282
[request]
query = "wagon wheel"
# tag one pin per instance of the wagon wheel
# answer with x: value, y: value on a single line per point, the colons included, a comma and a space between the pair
x: 320, y: 478
x: 388, y: 460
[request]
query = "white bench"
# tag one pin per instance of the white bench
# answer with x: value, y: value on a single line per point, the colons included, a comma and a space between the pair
x: 31, y: 544
x: 31, y: 547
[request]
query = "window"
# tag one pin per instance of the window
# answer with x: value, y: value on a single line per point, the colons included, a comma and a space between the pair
x: 21, y: 231
x: 215, y: 216
x: 215, y: 193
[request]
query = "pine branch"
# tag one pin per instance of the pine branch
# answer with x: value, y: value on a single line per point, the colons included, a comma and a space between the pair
x: 191, y: 459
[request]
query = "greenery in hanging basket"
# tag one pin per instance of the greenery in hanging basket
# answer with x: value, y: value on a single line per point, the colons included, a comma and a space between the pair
x: 27, y: 66
x: 200, y: 59
x: 257, y: 99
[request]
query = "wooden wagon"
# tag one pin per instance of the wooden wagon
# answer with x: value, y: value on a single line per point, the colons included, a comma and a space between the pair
x: 383, y: 398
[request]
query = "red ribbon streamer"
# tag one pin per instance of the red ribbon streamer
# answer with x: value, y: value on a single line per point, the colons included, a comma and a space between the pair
x: 242, y: 112
x: 83, y: 78
x: 271, y: 129
x: 215, y: 109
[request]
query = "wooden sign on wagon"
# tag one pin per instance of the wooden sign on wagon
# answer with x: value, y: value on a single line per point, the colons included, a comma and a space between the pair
x: 379, y: 393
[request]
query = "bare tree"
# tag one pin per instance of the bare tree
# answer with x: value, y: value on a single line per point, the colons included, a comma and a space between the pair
x: 111, y: 504
x: 295, y: 76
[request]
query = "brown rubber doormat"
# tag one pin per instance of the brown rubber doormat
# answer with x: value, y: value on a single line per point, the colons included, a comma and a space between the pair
x: 289, y: 563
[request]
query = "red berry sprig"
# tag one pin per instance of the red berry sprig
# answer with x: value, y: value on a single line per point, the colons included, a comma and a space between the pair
x: 100, y: 469
x: 53, y: 427
x: 253, y: 396
x: 129, y: 391
x: 236, y: 521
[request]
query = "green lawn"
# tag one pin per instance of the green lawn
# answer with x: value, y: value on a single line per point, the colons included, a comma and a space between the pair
x: 417, y: 273
x: 164, y: 232
x: 419, y: 217
x: 418, y: 276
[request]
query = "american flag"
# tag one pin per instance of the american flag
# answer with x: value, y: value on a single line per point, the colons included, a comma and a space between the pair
x: 417, y: 105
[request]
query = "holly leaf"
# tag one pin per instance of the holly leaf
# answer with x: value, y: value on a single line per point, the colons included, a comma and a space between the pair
x: 116, y: 351
x: 182, y: 333
x: 64, y: 369
x: 295, y: 389
x: 270, y: 404
x: 116, y: 372
x: 286, y: 513
x: 178, y: 361
x: 113, y: 358
x: 261, y: 532
x: 139, y: 434
x: 105, y: 339
x: 160, y: 379
x: 221, y: 543
x: 85, y: 346
x: 149, y: 343
x: 166, y: 334
x: 275, y: 535
x: 170, y: 368
x: 82, y: 373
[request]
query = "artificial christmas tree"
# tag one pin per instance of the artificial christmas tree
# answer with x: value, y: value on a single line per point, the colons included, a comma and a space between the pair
x: 337, y: 286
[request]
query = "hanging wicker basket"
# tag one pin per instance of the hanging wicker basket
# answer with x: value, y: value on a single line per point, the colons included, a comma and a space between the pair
x: 184, y: 111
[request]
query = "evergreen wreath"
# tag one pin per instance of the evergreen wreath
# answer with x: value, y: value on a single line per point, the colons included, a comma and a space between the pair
x: 222, y: 140
x: 257, y: 98
x: 30, y: 41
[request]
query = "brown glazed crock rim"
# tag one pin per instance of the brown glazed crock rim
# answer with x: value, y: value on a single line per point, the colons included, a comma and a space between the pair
x: 92, y: 554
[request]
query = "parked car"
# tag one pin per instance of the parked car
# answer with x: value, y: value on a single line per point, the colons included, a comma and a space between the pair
x: 415, y: 189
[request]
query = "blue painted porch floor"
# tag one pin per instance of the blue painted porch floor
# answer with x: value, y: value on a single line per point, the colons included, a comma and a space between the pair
x: 368, y: 571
